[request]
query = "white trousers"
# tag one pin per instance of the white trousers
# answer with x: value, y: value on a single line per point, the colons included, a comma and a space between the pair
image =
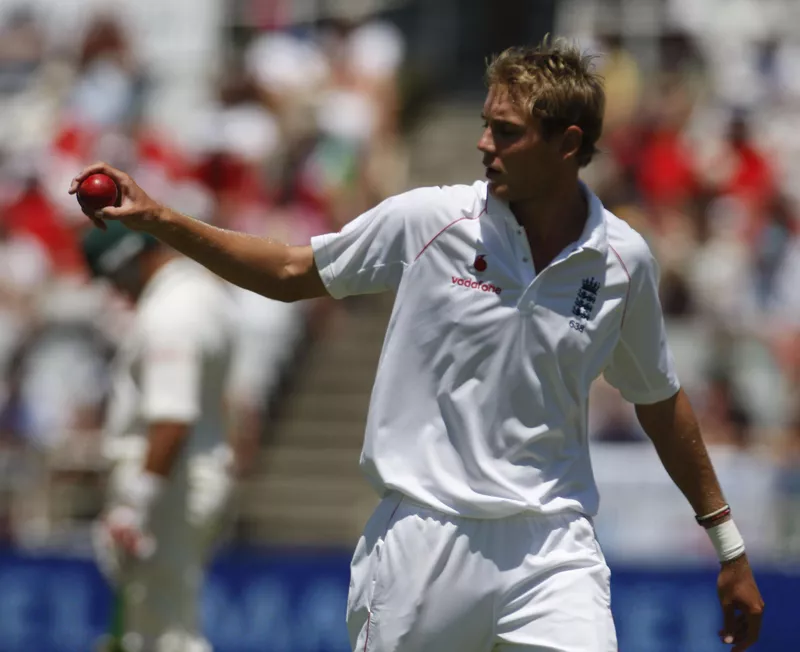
x: 161, y: 594
x: 423, y: 581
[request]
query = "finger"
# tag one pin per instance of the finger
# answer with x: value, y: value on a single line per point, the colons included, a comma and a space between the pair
x: 89, y: 170
x: 111, y: 213
x: 740, y: 638
x: 743, y: 637
x: 728, y: 633
x: 119, y: 177
x: 749, y: 629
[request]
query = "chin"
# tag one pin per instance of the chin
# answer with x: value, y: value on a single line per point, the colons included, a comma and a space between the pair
x: 498, y: 190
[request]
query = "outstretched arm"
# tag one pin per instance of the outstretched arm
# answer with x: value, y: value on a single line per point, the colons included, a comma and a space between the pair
x: 672, y: 426
x: 261, y: 265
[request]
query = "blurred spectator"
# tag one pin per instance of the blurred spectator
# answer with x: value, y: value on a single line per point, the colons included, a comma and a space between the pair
x: 22, y: 49
x: 676, y: 295
x: 23, y: 107
x: 740, y: 170
x: 32, y: 214
x: 24, y: 269
x: 719, y: 270
x: 365, y: 55
x: 774, y: 256
x: 666, y: 173
x: 334, y: 91
x: 358, y: 109
x: 623, y: 84
x: 289, y: 70
x: 16, y: 420
x: 239, y: 143
x: 65, y: 376
x: 723, y: 419
x: 109, y: 87
x: 777, y: 275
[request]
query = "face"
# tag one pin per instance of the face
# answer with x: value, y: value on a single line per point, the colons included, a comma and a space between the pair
x: 520, y: 163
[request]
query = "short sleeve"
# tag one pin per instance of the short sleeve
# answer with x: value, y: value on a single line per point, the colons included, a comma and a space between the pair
x: 370, y: 253
x: 642, y: 367
x: 171, y: 371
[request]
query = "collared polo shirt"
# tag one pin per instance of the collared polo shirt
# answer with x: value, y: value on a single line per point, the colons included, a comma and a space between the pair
x: 480, y: 401
x: 173, y: 364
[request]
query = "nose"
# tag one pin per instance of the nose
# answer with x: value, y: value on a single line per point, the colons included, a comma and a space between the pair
x: 486, y: 142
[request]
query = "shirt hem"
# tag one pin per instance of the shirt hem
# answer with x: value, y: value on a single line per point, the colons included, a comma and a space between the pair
x: 319, y: 246
x: 652, y: 397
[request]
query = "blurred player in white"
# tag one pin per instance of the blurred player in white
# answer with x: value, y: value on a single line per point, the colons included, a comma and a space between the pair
x: 165, y: 436
x: 512, y: 296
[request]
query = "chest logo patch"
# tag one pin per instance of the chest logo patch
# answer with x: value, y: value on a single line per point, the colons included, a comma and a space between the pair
x: 583, y: 308
x: 480, y: 264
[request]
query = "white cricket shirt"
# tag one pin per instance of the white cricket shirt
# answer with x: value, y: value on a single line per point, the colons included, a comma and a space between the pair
x: 481, y: 396
x: 173, y: 365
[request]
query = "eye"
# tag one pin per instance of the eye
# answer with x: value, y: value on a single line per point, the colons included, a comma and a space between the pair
x: 505, y: 129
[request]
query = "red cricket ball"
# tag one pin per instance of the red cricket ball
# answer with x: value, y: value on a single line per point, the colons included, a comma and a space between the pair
x: 97, y: 191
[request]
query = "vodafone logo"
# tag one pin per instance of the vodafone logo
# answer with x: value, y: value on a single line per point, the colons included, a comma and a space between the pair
x: 479, y: 265
x: 476, y: 285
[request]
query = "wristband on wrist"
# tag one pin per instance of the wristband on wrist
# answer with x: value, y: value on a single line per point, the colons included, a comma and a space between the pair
x: 717, y: 515
x: 142, y: 490
x: 726, y: 540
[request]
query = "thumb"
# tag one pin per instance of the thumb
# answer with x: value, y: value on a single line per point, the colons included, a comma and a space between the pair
x: 729, y: 623
x: 111, y: 213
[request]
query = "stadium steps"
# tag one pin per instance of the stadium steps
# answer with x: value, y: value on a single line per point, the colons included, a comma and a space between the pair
x: 444, y: 148
x: 308, y: 490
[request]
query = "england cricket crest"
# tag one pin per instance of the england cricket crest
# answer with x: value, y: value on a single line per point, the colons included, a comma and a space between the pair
x: 583, y: 308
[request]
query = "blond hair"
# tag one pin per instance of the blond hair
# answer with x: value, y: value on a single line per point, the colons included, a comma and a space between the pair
x: 556, y: 83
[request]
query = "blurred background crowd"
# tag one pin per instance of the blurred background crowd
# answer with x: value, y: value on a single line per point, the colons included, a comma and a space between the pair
x: 288, y: 119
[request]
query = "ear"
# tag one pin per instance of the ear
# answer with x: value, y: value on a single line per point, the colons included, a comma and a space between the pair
x: 571, y: 141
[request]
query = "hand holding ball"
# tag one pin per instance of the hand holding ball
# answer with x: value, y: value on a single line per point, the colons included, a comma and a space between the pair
x: 97, y: 191
x: 105, y: 193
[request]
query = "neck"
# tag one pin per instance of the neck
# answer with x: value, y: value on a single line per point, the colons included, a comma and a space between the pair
x: 556, y: 219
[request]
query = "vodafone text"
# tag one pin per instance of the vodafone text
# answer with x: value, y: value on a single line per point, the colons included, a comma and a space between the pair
x: 476, y: 285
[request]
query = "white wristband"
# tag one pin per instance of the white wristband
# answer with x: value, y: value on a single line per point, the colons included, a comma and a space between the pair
x: 726, y: 540
x: 142, y: 490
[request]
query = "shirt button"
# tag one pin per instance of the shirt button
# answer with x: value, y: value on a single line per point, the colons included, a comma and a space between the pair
x: 524, y: 260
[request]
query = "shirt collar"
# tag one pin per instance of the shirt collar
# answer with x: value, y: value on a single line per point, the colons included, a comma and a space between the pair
x: 594, y: 232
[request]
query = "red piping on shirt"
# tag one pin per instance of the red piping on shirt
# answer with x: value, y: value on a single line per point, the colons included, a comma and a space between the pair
x: 430, y: 242
x: 366, y: 640
x: 628, y: 291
